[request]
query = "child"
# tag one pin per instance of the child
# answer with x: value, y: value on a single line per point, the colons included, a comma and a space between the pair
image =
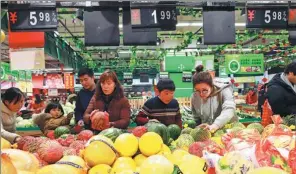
x: 52, y: 118
x: 164, y: 108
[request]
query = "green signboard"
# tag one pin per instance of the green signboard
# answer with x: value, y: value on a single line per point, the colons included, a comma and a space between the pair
x: 5, y: 71
x: 22, y: 76
x: 14, y: 76
x: 244, y: 64
x: 179, y: 63
x: 28, y: 76
x: 222, y: 71
x: 207, y: 61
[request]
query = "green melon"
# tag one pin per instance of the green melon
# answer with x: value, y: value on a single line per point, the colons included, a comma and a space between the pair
x: 61, y: 130
x: 238, y: 124
x: 219, y: 133
x: 160, y: 129
x: 187, y: 130
x: 174, y: 131
x: 200, y: 134
x: 190, y: 123
x: 235, y: 130
x: 111, y: 133
x: 184, y: 141
x: 257, y: 126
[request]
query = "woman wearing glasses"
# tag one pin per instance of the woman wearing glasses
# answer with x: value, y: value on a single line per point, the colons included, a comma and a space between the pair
x: 213, y: 105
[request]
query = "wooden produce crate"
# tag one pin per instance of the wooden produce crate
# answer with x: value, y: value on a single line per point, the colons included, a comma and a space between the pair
x: 34, y: 131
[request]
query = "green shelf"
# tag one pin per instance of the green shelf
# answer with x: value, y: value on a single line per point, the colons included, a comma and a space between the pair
x: 27, y: 129
x: 250, y: 120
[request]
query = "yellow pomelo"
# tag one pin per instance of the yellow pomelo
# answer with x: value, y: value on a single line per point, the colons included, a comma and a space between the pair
x: 267, y: 170
x: 74, y: 159
x: 178, y: 155
x: 157, y: 164
x: 58, y: 169
x: 126, y: 144
x: 5, y: 144
x: 192, y: 164
x: 139, y: 159
x: 150, y: 143
x: 99, y: 151
x: 101, y: 169
x: 123, y: 164
x: 2, y: 36
x: 164, y: 150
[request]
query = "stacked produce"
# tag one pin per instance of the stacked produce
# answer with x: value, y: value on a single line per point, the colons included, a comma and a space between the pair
x: 155, y: 148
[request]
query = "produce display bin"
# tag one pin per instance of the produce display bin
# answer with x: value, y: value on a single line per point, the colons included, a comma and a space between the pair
x: 32, y: 131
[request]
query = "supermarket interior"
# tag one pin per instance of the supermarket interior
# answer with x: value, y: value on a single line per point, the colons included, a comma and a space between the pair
x: 148, y: 87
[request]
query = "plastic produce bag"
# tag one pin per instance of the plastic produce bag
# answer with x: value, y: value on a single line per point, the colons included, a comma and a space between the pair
x: 292, y: 160
x: 234, y: 163
x: 280, y: 136
x: 243, y: 139
x: 268, y: 155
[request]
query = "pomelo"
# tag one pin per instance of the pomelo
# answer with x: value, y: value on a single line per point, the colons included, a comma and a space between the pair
x: 150, y: 143
x: 126, y: 144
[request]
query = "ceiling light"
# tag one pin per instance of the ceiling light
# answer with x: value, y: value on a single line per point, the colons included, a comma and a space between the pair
x: 196, y: 24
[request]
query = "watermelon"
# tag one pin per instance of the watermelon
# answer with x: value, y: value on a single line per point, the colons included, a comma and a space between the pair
x: 187, y: 130
x: 190, y: 123
x: 257, y: 126
x: 200, y: 134
x: 184, y: 141
x: 174, y: 131
x: 160, y: 129
x: 111, y: 133
x: 60, y: 131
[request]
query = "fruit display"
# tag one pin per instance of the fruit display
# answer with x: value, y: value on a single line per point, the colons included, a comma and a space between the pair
x: 154, y: 148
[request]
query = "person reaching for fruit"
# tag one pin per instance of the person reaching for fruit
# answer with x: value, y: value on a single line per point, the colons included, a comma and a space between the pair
x: 52, y: 118
x: 12, y: 101
x: 213, y: 105
x: 164, y: 108
x: 108, y: 107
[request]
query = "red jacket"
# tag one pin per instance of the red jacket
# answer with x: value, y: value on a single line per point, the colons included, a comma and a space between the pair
x: 118, y: 110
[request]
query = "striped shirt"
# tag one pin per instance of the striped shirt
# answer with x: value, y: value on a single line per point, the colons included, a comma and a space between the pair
x: 154, y: 108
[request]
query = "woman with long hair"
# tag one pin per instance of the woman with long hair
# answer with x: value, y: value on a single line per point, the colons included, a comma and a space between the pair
x: 213, y: 104
x: 12, y: 101
x: 109, y: 98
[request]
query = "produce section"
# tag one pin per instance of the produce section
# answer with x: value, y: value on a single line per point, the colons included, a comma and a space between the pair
x: 139, y: 87
x: 234, y: 148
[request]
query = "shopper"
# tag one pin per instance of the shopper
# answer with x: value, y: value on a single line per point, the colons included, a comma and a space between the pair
x: 38, y: 104
x: 213, y: 105
x: 163, y: 107
x: 12, y: 101
x: 52, y: 118
x: 86, y: 77
x: 252, y: 97
x: 109, y: 98
x: 281, y: 91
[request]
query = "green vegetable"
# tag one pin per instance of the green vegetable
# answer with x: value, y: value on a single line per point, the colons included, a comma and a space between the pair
x: 174, y: 131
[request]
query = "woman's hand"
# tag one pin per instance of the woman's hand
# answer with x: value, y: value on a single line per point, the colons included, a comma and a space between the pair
x: 212, y: 128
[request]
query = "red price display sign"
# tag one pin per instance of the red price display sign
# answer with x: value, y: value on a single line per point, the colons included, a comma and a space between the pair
x: 292, y: 17
x: 267, y: 17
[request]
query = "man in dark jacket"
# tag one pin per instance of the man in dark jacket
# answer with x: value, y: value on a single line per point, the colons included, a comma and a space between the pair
x: 281, y: 92
x: 86, y: 77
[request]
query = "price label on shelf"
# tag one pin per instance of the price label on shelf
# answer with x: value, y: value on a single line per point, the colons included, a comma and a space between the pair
x: 156, y: 17
x: 267, y: 17
x: 32, y: 18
